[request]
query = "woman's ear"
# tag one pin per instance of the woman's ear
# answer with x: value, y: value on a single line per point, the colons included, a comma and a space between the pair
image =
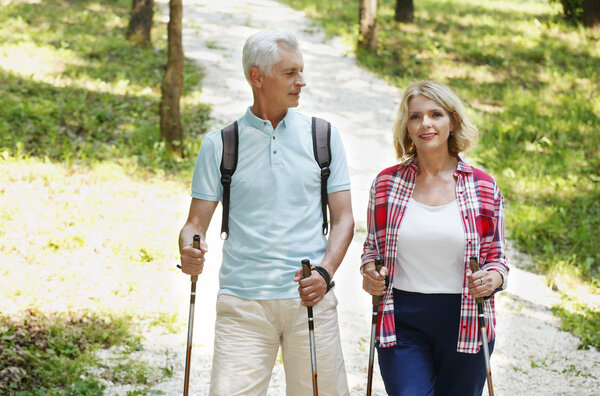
x: 454, y: 122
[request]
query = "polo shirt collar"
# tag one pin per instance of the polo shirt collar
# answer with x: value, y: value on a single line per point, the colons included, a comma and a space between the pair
x: 261, y: 124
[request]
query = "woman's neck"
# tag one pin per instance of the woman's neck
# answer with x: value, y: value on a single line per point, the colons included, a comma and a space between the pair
x: 434, y: 164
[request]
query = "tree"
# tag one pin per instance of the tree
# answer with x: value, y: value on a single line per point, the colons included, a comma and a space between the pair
x: 171, y: 130
x: 591, y: 13
x: 404, y: 10
x: 140, y: 22
x: 367, y: 37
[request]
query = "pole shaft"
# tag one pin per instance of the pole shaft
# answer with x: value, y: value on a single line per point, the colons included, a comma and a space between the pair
x: 375, y: 301
x: 306, y: 271
x: 483, y: 329
x: 188, y: 351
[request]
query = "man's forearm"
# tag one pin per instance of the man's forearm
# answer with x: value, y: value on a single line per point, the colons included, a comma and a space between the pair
x: 340, y: 236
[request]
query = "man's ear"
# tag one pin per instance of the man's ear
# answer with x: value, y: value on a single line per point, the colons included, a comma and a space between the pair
x: 256, y: 76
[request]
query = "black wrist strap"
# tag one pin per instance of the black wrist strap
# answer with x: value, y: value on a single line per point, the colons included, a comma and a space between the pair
x: 323, y: 272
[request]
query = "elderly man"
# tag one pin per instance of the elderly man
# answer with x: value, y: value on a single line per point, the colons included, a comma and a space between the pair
x: 275, y: 221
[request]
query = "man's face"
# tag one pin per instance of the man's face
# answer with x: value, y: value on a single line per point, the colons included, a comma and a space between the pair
x: 282, y: 87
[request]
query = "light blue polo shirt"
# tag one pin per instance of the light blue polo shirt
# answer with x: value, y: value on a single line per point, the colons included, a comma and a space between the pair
x: 275, y: 213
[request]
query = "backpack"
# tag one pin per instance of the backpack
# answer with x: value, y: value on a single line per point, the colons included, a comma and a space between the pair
x: 321, y: 135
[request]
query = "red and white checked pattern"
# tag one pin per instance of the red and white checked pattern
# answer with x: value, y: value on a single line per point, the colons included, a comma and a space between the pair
x: 482, y: 211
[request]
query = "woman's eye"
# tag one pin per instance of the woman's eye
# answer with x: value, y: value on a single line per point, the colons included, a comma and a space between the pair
x: 414, y: 116
x: 438, y: 114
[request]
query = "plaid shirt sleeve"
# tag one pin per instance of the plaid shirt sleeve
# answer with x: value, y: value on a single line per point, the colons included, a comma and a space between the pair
x: 370, y: 250
x: 482, y: 211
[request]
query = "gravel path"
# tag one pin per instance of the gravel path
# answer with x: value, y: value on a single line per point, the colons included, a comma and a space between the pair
x: 532, y: 356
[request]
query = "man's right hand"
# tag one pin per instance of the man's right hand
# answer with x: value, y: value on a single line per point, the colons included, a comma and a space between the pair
x: 192, y: 259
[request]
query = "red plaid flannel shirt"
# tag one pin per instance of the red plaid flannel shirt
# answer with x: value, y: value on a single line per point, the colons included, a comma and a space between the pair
x: 482, y: 211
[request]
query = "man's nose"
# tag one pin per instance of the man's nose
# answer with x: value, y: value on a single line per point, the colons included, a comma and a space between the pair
x: 300, y: 82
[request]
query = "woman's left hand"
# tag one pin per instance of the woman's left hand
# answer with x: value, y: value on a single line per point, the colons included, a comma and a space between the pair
x: 483, y: 283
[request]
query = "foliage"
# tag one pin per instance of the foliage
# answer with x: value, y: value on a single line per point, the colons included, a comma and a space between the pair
x: 97, y: 96
x: 47, y: 355
x: 531, y: 82
x: 571, y: 9
x: 581, y: 321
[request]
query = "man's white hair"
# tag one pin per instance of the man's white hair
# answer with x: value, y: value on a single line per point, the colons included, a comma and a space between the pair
x: 262, y: 50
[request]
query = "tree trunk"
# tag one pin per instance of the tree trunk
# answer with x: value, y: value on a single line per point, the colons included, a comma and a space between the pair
x: 591, y: 13
x: 171, y: 130
x: 367, y: 37
x: 140, y: 23
x: 404, y: 10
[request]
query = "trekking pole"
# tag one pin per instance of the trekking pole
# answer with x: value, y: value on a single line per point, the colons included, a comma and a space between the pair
x: 378, y: 265
x: 484, y: 342
x: 188, y: 353
x: 311, y: 333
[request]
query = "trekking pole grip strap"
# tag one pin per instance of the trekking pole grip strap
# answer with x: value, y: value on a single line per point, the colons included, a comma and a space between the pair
x: 323, y: 272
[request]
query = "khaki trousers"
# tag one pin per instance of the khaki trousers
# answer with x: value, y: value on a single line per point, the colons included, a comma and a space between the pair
x: 248, y: 334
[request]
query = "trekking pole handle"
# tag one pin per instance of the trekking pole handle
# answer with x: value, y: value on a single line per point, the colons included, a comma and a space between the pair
x: 195, y: 245
x: 306, y: 268
x: 378, y: 266
x: 305, y: 274
x: 474, y: 268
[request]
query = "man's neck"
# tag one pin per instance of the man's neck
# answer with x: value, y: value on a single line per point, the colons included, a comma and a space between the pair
x: 273, y: 115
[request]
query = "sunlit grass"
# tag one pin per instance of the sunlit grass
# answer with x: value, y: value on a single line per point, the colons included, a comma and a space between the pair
x: 82, y: 242
x: 69, y: 217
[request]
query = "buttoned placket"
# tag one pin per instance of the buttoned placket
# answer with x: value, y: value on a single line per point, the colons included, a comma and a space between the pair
x: 273, y: 144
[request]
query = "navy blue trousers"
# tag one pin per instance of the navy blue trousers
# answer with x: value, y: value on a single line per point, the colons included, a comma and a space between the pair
x: 424, y: 361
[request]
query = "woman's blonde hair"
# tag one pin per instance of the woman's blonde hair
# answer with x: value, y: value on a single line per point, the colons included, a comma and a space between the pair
x: 464, y: 134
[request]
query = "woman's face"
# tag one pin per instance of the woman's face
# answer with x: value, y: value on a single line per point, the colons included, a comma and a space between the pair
x: 428, y: 125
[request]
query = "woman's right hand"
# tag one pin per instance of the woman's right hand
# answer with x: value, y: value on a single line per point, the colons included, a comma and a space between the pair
x: 373, y: 281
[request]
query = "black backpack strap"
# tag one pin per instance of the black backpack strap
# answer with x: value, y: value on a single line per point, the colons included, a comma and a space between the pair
x: 230, y: 138
x: 321, y: 134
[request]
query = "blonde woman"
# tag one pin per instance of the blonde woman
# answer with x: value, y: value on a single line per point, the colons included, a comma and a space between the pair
x: 427, y: 216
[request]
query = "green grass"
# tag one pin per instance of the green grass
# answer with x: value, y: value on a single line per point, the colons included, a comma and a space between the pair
x: 532, y: 83
x: 86, y: 247
x: 581, y: 321
x: 48, y: 355
x: 74, y: 90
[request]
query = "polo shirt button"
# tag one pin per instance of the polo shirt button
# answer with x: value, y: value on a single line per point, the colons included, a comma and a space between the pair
x: 265, y: 123
x: 274, y: 151
x: 273, y: 137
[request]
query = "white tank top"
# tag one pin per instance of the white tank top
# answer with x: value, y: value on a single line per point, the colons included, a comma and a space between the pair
x: 431, y: 249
